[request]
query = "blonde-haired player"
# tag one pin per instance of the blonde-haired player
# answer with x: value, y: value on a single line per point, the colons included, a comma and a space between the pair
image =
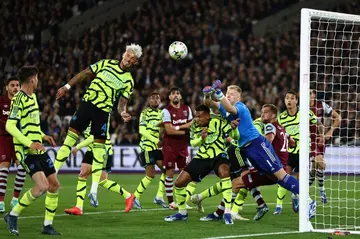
x: 110, y: 79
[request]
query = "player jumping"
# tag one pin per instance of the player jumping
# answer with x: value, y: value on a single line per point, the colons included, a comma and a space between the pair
x: 110, y: 79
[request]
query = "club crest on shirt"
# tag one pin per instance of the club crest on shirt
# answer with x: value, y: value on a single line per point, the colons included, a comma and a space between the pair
x: 3, y: 157
x: 185, y: 113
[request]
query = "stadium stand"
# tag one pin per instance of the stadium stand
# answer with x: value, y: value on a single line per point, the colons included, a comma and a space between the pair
x: 265, y: 67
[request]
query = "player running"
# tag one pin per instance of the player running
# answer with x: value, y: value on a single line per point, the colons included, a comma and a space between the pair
x: 85, y: 172
x: 7, y: 151
x: 149, y: 128
x: 110, y: 79
x: 211, y: 155
x: 254, y: 146
x: 321, y: 110
x: 24, y: 125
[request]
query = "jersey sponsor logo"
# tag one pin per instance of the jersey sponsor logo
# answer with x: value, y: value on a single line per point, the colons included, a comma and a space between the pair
x: 111, y: 79
x: 179, y: 121
x: 6, y: 112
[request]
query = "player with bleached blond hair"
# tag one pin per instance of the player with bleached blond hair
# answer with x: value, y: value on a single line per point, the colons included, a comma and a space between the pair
x: 109, y: 79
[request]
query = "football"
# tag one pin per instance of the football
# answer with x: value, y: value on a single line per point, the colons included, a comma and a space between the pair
x: 178, y: 50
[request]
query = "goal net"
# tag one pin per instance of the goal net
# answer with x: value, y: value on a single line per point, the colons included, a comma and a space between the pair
x: 329, y: 67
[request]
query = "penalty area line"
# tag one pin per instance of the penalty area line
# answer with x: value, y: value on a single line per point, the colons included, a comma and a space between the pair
x: 253, y: 235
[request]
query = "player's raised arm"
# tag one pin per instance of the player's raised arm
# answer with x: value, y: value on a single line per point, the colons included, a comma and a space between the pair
x: 224, y: 100
x: 85, y: 74
x: 208, y: 91
x: 336, y: 122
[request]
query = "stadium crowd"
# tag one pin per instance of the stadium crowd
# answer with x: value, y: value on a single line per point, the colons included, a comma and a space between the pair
x: 220, y: 42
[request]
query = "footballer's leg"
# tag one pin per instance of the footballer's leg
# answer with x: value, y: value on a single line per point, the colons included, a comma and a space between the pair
x: 223, y: 171
x: 147, y: 160
x: 114, y: 186
x: 65, y: 149
x: 18, y: 183
x: 85, y: 172
x: 51, y: 204
x: 180, y: 193
x: 159, y: 198
x: 169, y: 165
x: 7, y: 154
x: 320, y: 174
x: 4, y: 172
x: 144, y: 183
x: 79, y: 122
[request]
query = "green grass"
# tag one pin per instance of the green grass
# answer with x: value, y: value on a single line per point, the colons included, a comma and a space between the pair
x: 109, y: 220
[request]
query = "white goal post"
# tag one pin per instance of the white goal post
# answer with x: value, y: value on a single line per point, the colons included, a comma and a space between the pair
x: 329, y: 62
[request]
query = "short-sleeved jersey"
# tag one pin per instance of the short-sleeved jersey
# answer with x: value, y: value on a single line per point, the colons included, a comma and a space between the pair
x: 214, y: 144
x: 246, y: 127
x: 151, y: 120
x: 110, y: 81
x: 108, y: 145
x: 25, y: 110
x: 176, y: 117
x: 321, y: 110
x: 4, y: 113
x: 291, y: 124
x: 259, y: 125
x: 280, y: 141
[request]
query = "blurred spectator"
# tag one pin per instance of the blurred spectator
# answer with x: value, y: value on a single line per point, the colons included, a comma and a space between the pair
x: 221, y: 45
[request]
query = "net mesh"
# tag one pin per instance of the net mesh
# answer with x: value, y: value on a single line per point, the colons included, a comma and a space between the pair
x: 334, y: 79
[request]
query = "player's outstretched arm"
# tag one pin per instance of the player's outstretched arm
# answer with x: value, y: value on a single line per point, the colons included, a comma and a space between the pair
x: 208, y: 91
x: 89, y: 140
x: 224, y: 101
x: 85, y: 74
x: 336, y: 122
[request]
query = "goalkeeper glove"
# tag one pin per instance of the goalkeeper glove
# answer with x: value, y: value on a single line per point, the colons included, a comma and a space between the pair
x: 208, y: 90
x: 218, y: 93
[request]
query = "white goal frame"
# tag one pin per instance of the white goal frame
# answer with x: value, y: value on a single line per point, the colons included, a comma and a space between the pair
x: 305, y: 29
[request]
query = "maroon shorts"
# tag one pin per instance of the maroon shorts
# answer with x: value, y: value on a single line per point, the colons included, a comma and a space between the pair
x: 316, y: 148
x: 254, y: 178
x: 7, y: 151
x: 174, y: 156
